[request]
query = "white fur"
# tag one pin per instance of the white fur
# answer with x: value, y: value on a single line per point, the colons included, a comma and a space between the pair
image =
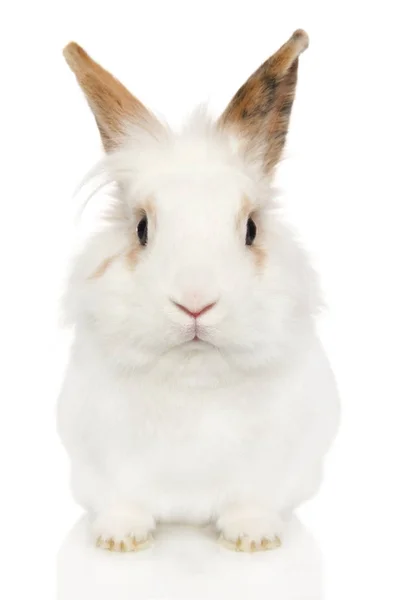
x: 160, y: 428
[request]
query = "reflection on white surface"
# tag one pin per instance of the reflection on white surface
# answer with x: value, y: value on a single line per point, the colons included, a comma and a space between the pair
x: 188, y: 564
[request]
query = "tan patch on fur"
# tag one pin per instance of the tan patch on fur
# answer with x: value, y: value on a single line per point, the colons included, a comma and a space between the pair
x: 150, y: 210
x: 133, y: 255
x: 103, y: 267
x: 245, y: 211
x: 112, y: 104
x: 259, y: 255
x: 262, y: 106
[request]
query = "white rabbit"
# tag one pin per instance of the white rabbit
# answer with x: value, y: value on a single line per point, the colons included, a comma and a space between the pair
x: 197, y: 390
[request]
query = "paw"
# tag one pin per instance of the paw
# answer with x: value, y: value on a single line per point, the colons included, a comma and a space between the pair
x: 245, y: 533
x: 123, y: 531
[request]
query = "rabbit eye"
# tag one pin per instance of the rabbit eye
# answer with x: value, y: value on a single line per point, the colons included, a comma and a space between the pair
x: 142, y: 230
x: 251, y: 232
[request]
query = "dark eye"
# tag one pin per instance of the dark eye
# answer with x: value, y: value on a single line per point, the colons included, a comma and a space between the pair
x: 251, y: 232
x: 142, y: 231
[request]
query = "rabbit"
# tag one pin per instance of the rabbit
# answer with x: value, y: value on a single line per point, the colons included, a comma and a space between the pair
x: 197, y: 390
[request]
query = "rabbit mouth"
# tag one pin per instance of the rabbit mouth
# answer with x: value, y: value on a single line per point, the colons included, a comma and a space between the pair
x: 198, y: 338
x: 198, y: 343
x: 195, y: 337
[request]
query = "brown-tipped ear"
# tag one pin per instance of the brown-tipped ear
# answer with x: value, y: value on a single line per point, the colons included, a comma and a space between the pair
x: 262, y: 106
x: 111, y: 103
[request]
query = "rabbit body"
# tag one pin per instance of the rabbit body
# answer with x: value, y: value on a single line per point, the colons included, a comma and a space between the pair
x: 197, y: 390
x: 231, y: 428
x: 178, y: 454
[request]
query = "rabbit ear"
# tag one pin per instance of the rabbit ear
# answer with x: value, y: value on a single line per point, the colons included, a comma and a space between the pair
x: 262, y: 106
x: 111, y: 103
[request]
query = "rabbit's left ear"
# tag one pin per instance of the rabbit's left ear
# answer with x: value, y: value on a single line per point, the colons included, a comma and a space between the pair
x: 262, y: 106
x: 111, y: 103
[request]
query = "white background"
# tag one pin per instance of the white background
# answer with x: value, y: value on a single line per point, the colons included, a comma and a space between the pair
x: 338, y: 193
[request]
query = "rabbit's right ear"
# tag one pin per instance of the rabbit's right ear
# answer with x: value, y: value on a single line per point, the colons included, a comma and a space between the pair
x: 112, y: 104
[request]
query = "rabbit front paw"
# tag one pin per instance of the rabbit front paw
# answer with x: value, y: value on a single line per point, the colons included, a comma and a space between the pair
x: 245, y: 533
x: 123, y: 531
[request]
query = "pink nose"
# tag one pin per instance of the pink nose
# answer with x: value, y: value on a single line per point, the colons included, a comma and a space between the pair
x: 197, y: 313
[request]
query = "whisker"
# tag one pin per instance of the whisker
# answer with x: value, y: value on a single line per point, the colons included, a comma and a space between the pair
x: 109, y: 178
